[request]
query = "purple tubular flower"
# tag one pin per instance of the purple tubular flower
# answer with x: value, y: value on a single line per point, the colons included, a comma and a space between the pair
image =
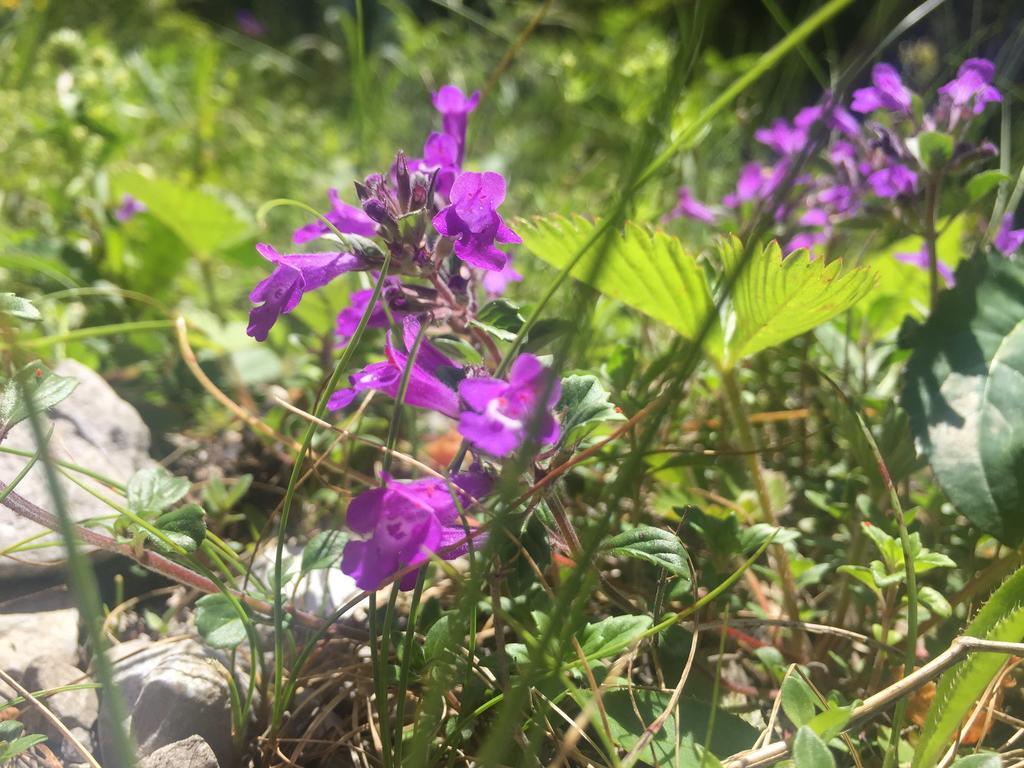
x: 885, y: 92
x: 473, y: 220
x: 495, y: 283
x: 405, y: 522
x: 692, y: 208
x: 972, y: 86
x: 294, y: 274
x: 782, y: 137
x: 500, y: 413
x: 1007, y: 241
x: 348, y: 219
x: 441, y: 154
x: 893, y: 181
x: 249, y: 24
x: 921, y: 260
x: 129, y: 207
x: 807, y: 240
x: 425, y: 389
x: 455, y: 107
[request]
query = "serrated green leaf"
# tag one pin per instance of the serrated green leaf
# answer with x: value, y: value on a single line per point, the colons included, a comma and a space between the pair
x: 15, y: 306
x: 654, y: 545
x: 963, y: 387
x: 584, y: 401
x: 154, y: 489
x: 648, y: 271
x: 982, y: 183
x: 809, y: 751
x: 797, y: 700
x: 776, y: 299
x: 1001, y: 619
x: 203, y: 222
x: 185, y: 526
x: 323, y: 551
x: 500, y: 318
x: 218, y: 622
x: 612, y: 635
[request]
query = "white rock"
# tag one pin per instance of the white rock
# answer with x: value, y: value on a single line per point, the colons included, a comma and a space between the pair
x: 39, y: 624
x: 78, y: 710
x: 94, y: 428
x: 192, y: 752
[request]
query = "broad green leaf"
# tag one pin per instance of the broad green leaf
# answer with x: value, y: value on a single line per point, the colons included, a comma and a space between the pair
x: 154, y: 489
x: 612, y: 635
x: 500, y: 318
x: 15, y: 306
x: 982, y: 183
x: 202, y: 221
x: 185, y: 526
x: 584, y: 401
x: 797, y: 700
x: 648, y: 271
x: 982, y: 760
x: 831, y: 722
x: 963, y: 388
x: 323, y: 551
x: 934, y: 149
x: 655, y: 545
x: 218, y: 622
x: 631, y: 711
x: 48, y: 389
x: 775, y: 299
x: 934, y: 601
x: 809, y: 751
x: 10, y: 730
x: 10, y: 750
x: 1001, y: 618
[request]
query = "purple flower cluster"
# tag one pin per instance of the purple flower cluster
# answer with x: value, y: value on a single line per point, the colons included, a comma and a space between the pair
x: 872, y: 166
x: 438, y: 228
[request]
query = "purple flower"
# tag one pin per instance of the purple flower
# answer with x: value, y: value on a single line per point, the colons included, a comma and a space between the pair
x: 691, y: 208
x: 893, y: 181
x: 425, y: 389
x: 841, y: 120
x: 1007, y: 240
x: 495, y: 283
x: 782, y: 137
x: 249, y: 24
x: 751, y: 184
x: 294, y: 274
x: 921, y: 260
x: 349, y: 317
x: 405, y: 522
x: 807, y: 240
x: 473, y: 220
x: 455, y: 107
x: 500, y: 412
x: 885, y: 92
x: 441, y: 154
x: 972, y: 85
x: 129, y: 207
x: 348, y: 219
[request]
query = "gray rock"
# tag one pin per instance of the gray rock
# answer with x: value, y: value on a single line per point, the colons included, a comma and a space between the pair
x: 93, y: 428
x: 77, y: 710
x: 192, y: 752
x: 43, y: 623
x: 173, y: 690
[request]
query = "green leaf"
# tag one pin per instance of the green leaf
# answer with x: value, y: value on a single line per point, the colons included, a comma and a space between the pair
x: 612, y: 635
x: 798, y: 700
x: 934, y: 601
x: 584, y: 401
x: 655, y: 545
x: 500, y: 318
x: 963, y: 388
x: 982, y: 760
x: 10, y: 730
x: 154, y: 489
x: 15, y: 306
x: 185, y: 526
x: 203, y: 222
x: 1001, y: 619
x: 8, y: 751
x: 775, y: 298
x: 982, y: 183
x: 323, y: 551
x: 630, y: 712
x: 809, y: 751
x: 831, y: 722
x: 218, y: 622
x: 934, y: 149
x: 648, y: 271
x: 48, y: 389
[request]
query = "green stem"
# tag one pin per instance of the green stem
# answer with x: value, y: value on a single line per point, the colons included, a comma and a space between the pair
x: 89, y: 333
